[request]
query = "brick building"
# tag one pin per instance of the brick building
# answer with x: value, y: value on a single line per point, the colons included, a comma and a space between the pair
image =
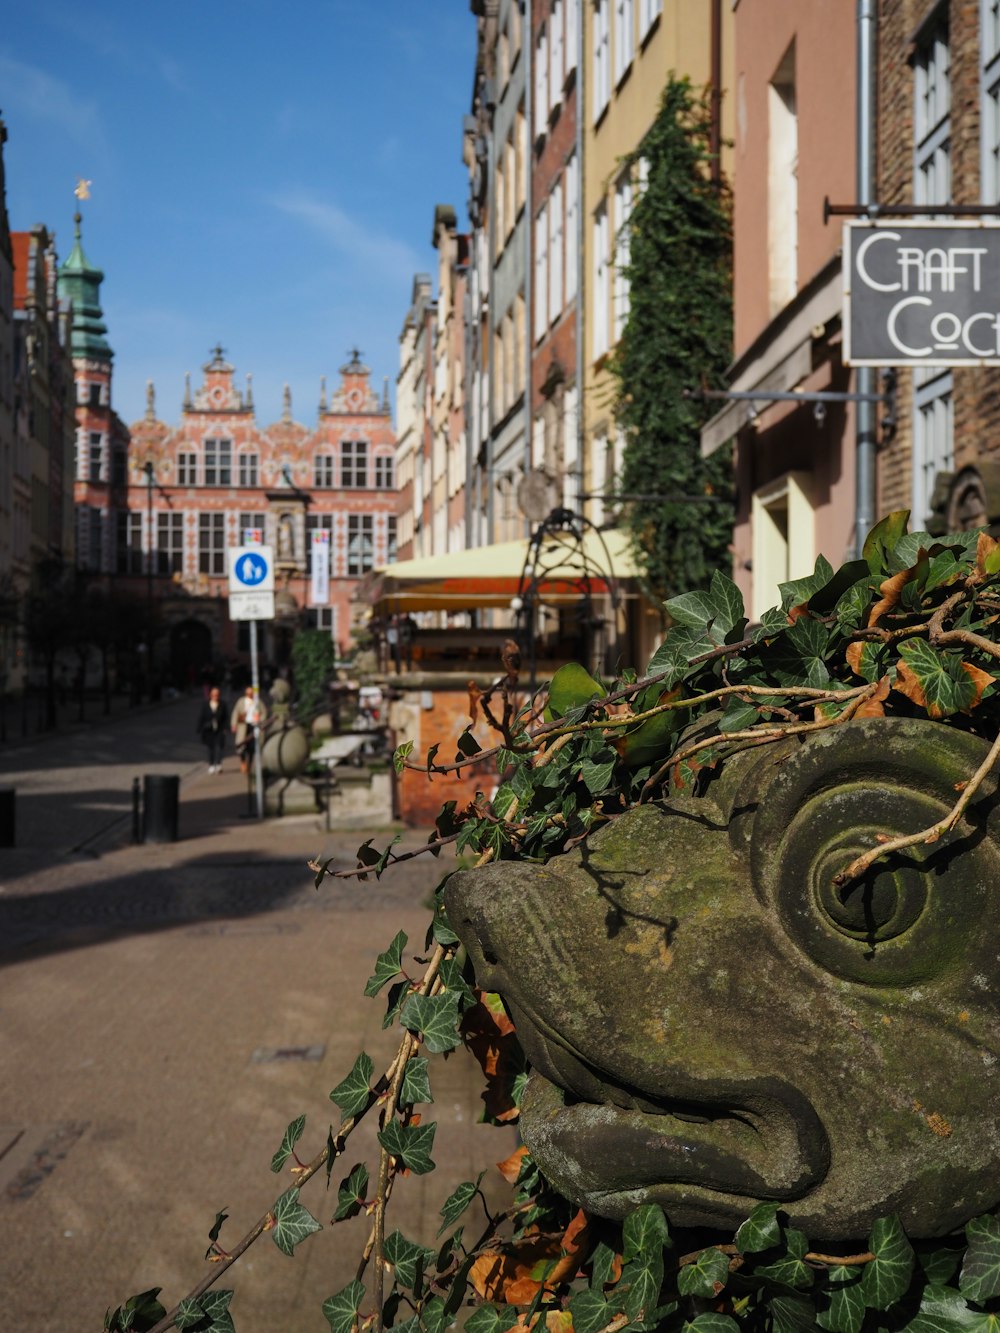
x: 196, y: 488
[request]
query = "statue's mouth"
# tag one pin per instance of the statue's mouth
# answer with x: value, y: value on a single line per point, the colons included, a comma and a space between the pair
x: 611, y: 1146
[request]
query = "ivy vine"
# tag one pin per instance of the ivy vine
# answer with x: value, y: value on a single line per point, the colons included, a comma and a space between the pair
x: 911, y: 629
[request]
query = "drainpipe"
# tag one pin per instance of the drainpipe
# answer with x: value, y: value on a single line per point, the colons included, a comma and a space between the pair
x: 581, y: 323
x: 865, y: 421
x: 491, y: 311
x: 528, y: 223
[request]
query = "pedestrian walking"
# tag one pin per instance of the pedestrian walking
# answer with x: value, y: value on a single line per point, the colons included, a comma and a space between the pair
x: 212, y: 728
x: 248, y: 714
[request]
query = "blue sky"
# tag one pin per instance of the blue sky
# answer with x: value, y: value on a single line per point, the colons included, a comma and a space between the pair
x: 263, y: 175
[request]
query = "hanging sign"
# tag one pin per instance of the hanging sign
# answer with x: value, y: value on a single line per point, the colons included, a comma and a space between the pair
x: 319, y: 582
x: 921, y: 294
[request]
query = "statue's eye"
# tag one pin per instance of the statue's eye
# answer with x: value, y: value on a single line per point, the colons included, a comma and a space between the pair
x: 915, y: 911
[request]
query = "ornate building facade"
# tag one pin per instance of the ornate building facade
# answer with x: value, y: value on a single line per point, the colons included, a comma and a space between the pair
x: 200, y: 487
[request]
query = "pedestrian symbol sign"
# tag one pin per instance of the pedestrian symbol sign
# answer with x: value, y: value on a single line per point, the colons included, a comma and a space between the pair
x: 251, y: 569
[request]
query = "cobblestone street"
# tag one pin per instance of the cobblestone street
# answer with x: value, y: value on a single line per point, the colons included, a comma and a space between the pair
x: 165, y: 1011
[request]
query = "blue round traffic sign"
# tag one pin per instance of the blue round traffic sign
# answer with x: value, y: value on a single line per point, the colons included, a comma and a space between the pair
x: 251, y: 569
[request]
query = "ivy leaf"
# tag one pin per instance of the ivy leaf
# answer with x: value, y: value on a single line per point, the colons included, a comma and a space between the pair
x: 792, y: 1314
x: 387, y: 965
x: 292, y: 1222
x: 887, y: 1277
x: 208, y: 1313
x: 351, y: 1195
x: 707, y: 1276
x: 640, y: 1284
x: 943, y: 1310
x: 397, y: 994
x: 691, y: 610
x: 936, y: 681
x: 353, y: 1094
x: 761, y: 1230
x: 645, y: 1232
x: 590, y: 1312
x: 433, y: 1318
x: 739, y: 714
x: 790, y: 1269
x: 711, y: 1323
x: 489, y: 1319
x: 674, y: 655
x: 410, y: 1144
x: 597, y: 777
x: 416, y: 1082
x: 435, y: 1017
x: 408, y: 1259
x: 341, y: 1310
x: 940, y: 1266
x: 883, y: 538
x: 468, y: 746
x: 980, y: 1277
x: 603, y: 1264
x: 292, y: 1135
x: 570, y: 687
x: 140, y: 1312
x: 216, y: 1230
x: 728, y: 602
x: 797, y: 592
x: 457, y: 1202
x: 401, y: 754
x: 842, y: 1306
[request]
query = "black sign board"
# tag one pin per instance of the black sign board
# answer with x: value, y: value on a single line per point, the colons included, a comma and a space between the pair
x: 921, y: 294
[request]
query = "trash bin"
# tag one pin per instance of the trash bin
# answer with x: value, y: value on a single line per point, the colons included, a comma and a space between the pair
x: 7, y: 810
x: 160, y: 798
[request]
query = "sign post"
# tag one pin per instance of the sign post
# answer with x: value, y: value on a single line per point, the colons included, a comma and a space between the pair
x: 251, y: 597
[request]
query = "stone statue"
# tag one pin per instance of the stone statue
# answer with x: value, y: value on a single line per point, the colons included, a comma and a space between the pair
x: 712, y: 1022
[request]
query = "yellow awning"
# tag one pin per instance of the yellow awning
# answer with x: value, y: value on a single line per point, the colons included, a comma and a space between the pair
x: 490, y: 576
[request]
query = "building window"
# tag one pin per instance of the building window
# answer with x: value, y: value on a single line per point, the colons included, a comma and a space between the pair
x: 212, y: 544
x: 570, y: 41
x: 169, y: 543
x: 623, y: 211
x: 250, y: 525
x: 360, y: 544
x: 323, y: 617
x: 572, y: 214
x: 249, y: 465
x: 119, y: 468
x: 128, y: 559
x: 187, y: 469
x: 624, y: 36
x: 649, y: 11
x: 602, y: 294
x: 354, y: 463
x: 556, y: 53
x: 95, y: 456
x: 784, y: 537
x: 385, y: 478
x: 933, y: 435
x: 541, y: 292
x: 782, y: 184
x: 989, y: 46
x: 218, y: 462
x: 555, y: 211
x: 602, y: 56
x: 93, y: 395
x: 541, y: 83
x: 323, y: 472
x: 932, y: 119
x: 390, y: 539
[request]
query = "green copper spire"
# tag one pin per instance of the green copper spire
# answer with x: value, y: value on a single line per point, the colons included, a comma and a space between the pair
x: 81, y: 284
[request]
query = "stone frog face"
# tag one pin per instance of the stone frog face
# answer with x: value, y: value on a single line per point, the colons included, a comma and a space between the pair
x: 711, y: 1022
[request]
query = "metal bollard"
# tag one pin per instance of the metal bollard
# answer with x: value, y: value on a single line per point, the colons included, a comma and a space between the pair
x: 160, y: 800
x: 8, y: 797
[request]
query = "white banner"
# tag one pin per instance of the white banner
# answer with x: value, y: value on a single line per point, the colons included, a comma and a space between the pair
x: 319, y: 584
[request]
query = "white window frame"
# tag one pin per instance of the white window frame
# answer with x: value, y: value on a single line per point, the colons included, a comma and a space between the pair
x: 556, y: 71
x: 248, y: 467
x: 601, y: 275
x: 324, y: 470
x: 602, y: 56
x: 572, y: 192
x: 649, y: 12
x: 542, y: 82
x: 780, y: 556
x: 556, y: 251
x: 541, y: 287
x: 624, y: 198
x: 217, y: 451
x: 187, y: 468
x: 571, y: 35
x: 932, y: 118
x: 989, y: 100
x: 624, y: 43
x: 933, y: 435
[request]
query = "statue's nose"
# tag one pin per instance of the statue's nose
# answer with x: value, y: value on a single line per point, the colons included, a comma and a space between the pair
x: 474, y: 900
